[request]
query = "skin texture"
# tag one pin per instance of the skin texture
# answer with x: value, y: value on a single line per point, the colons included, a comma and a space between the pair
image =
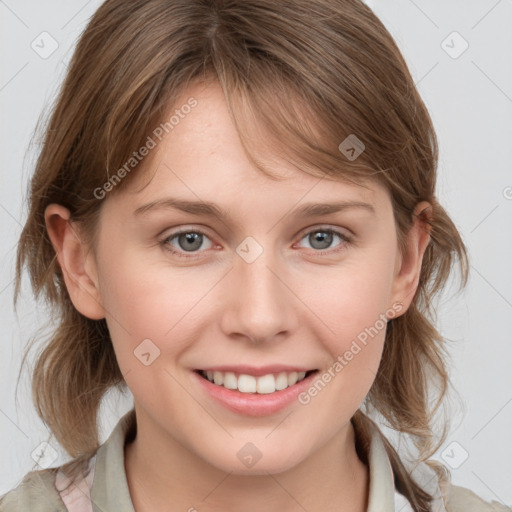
x: 295, y: 304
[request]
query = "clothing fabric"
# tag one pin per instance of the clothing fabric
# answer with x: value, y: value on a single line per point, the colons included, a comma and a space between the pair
x: 104, y: 486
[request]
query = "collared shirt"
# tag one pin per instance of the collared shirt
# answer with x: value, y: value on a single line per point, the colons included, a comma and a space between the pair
x: 104, y: 487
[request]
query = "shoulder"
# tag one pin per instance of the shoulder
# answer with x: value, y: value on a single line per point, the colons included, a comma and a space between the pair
x: 36, y: 493
x: 50, y: 490
x: 460, y: 499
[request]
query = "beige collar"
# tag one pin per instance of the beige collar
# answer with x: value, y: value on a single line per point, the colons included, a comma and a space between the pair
x: 111, y: 492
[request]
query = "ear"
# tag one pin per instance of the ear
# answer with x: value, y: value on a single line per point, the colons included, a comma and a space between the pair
x: 408, y: 265
x: 76, y: 262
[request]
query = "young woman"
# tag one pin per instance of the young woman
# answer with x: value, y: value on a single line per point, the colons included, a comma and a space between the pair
x: 234, y: 217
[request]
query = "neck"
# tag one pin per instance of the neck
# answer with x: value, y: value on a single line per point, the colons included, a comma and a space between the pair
x: 161, y: 471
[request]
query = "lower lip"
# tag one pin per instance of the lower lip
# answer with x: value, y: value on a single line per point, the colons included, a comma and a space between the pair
x: 254, y: 404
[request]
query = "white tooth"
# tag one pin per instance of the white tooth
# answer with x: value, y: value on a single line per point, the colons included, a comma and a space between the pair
x: 250, y: 384
x: 281, y: 381
x: 230, y: 380
x: 292, y: 378
x: 247, y: 383
x: 266, y: 384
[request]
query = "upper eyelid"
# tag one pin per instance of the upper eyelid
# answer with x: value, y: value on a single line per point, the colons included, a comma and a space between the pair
x: 325, y: 227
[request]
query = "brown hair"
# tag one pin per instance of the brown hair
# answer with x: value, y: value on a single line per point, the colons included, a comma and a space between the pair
x: 311, y: 72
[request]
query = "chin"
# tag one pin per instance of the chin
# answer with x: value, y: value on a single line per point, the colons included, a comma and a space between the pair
x: 248, y: 460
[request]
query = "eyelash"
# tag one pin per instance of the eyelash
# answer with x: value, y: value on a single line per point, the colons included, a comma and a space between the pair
x: 345, y: 240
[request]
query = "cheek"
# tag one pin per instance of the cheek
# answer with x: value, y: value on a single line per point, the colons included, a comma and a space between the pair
x: 354, y: 347
x: 358, y: 298
x: 356, y: 311
x: 144, y: 300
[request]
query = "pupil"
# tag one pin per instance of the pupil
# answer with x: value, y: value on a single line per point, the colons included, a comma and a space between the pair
x: 323, y: 237
x: 193, y: 241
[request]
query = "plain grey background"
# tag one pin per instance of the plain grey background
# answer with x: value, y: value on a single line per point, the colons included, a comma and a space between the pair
x: 459, y: 53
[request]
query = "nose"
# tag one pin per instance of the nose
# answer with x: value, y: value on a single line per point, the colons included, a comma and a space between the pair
x: 258, y: 303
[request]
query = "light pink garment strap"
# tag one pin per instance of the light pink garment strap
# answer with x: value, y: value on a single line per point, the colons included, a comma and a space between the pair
x: 76, y: 497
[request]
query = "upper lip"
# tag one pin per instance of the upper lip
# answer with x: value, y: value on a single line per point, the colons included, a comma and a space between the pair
x: 257, y: 371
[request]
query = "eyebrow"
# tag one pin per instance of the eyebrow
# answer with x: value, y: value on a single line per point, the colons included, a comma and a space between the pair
x: 208, y: 209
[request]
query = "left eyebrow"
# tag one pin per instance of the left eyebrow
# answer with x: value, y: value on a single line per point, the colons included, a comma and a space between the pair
x: 318, y: 209
x: 208, y: 209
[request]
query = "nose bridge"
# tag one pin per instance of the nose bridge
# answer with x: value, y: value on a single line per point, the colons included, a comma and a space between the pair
x: 259, y: 306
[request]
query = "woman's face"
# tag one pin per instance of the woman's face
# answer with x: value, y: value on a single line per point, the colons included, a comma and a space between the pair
x: 259, y: 286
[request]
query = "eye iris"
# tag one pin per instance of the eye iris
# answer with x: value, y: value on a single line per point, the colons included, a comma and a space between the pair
x: 324, y: 237
x: 192, y: 241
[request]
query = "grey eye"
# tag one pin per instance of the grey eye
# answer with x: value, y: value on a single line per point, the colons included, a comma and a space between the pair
x: 321, y: 239
x: 190, y: 241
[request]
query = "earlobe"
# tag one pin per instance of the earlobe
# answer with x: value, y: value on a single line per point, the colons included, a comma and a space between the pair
x: 408, y: 268
x: 76, y: 262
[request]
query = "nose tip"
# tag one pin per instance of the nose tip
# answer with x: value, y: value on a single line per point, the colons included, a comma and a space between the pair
x: 259, y: 306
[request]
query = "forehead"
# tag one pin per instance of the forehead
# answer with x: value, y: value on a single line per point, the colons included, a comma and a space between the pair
x: 202, y: 158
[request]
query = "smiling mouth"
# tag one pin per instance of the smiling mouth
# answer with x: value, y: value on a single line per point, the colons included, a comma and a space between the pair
x: 244, y: 383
